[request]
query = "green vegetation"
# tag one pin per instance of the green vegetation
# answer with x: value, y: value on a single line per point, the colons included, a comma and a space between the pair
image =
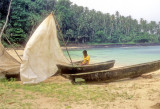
x: 16, y: 94
x: 78, y: 24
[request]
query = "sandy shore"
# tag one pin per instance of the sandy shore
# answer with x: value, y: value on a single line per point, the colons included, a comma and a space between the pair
x: 86, y: 46
x: 141, y: 93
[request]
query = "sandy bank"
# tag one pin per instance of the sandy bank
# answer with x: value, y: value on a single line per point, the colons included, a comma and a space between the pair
x: 85, y: 46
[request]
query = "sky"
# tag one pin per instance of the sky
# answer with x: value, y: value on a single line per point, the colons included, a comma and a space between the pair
x: 146, y: 9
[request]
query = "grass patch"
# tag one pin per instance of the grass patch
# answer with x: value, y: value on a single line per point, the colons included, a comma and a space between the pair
x: 64, y: 92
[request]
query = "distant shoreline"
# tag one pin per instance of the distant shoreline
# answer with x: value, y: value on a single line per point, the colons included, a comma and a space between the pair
x: 90, y: 46
x: 87, y: 46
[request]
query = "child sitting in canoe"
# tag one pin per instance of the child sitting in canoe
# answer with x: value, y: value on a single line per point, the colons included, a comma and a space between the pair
x: 86, y: 58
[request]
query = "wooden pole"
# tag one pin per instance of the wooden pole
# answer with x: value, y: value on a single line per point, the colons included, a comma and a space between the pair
x: 62, y: 38
x: 4, y: 26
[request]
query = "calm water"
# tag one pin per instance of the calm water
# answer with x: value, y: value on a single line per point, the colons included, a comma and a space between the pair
x: 123, y: 56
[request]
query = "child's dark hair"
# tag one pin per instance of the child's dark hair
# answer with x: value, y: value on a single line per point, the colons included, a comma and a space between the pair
x: 85, y: 51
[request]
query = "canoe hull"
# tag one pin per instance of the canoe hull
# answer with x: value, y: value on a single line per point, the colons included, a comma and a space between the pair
x: 69, y: 69
x: 117, y: 73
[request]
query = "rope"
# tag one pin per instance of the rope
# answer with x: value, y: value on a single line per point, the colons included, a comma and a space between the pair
x: 13, y: 48
x: 9, y: 8
x: 62, y: 38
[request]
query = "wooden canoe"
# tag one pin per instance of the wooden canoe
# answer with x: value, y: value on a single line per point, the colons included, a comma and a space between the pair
x: 117, y: 73
x: 69, y: 69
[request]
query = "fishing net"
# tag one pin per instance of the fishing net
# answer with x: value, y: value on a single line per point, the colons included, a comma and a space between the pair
x: 42, y: 53
x: 8, y: 65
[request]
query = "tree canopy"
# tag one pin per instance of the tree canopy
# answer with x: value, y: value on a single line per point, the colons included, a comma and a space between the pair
x: 78, y: 24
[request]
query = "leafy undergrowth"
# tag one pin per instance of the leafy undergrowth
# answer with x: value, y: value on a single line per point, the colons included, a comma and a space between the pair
x: 12, y: 92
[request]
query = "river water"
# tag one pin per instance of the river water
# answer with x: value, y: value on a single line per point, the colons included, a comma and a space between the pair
x: 123, y: 56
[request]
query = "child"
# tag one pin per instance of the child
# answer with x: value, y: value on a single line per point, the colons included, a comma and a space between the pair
x: 86, y: 58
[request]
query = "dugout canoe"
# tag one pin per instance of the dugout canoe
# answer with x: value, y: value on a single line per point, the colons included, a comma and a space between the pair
x: 117, y: 73
x: 74, y: 69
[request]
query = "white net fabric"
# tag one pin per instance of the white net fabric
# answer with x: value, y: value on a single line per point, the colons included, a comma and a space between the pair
x: 42, y: 53
x: 8, y: 65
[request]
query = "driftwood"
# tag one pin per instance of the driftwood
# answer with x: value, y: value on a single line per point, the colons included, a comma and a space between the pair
x: 117, y: 73
x: 69, y: 69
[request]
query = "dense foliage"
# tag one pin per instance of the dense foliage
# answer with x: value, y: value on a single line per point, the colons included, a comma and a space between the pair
x: 78, y: 24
